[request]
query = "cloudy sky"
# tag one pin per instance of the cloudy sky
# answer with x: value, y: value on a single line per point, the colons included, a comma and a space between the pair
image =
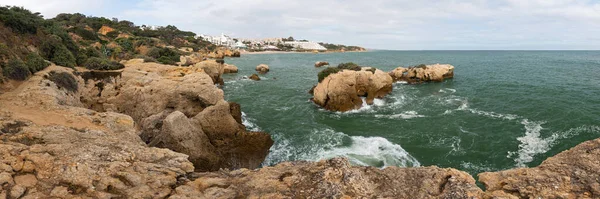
x: 377, y: 24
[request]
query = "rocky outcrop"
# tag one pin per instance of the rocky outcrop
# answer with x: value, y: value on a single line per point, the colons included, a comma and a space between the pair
x: 231, y: 53
x: 213, y: 69
x: 105, y: 30
x: 574, y: 173
x: 333, y: 178
x: 172, y: 104
x: 321, y: 63
x: 193, y: 58
x: 228, y: 68
x: 423, y: 73
x: 254, y: 77
x: 342, y: 91
x: 50, y: 146
x: 262, y: 68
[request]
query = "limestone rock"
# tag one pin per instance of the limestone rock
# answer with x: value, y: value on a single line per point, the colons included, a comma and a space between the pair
x: 193, y: 58
x: 232, y: 53
x: 571, y: 174
x: 333, y: 178
x: 423, y: 73
x: 254, y: 77
x: 262, y: 68
x: 342, y: 91
x: 162, y: 99
x: 213, y: 69
x: 105, y: 30
x: 228, y: 68
x: 321, y: 63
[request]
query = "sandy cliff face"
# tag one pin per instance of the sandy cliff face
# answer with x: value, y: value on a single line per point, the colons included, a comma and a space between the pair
x: 53, y: 145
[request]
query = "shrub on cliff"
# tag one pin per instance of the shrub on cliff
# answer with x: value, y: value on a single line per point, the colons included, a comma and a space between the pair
x: 348, y: 66
x: 64, y: 80
x: 52, y: 49
x: 20, y: 20
x: 16, y: 69
x: 96, y: 63
x: 35, y: 62
x: 112, y: 34
x: 164, y: 55
x: 327, y: 71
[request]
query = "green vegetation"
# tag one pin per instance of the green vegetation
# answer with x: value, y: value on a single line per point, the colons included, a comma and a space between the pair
x: 349, y: 66
x: 64, y: 80
x: 72, y: 40
x: 338, y: 47
x: 16, y: 69
x: 327, y: 71
x: 95, y: 63
x: 35, y: 62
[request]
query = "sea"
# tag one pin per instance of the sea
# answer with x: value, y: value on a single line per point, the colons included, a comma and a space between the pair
x: 502, y: 109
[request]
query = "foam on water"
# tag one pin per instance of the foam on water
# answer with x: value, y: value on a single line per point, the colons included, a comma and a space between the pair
x: 531, y: 143
x: 405, y: 115
x: 327, y: 143
x: 366, y: 108
x: 249, y: 123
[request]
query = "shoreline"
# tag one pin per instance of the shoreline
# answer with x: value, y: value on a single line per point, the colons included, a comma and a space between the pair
x: 294, y: 52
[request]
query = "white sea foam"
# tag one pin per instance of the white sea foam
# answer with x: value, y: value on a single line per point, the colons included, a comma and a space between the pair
x: 249, y: 123
x: 532, y: 143
x: 327, y: 143
x: 476, y: 167
x: 494, y: 115
x: 372, y: 151
x: 366, y: 107
x: 404, y: 115
x: 447, y: 90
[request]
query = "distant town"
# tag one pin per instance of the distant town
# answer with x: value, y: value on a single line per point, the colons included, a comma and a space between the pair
x: 276, y: 44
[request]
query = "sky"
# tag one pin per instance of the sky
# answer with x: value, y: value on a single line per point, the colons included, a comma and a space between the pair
x: 374, y: 24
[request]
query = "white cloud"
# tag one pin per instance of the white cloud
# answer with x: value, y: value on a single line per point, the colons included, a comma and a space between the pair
x: 390, y: 24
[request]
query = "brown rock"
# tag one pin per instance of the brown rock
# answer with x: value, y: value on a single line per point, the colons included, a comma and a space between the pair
x: 254, y: 77
x: 228, y: 68
x: 232, y: 53
x: 105, y: 30
x: 236, y: 111
x: 423, y: 73
x: 571, y: 174
x: 321, y: 63
x: 342, y: 91
x: 212, y: 68
x: 27, y: 180
x: 262, y: 68
x: 333, y: 178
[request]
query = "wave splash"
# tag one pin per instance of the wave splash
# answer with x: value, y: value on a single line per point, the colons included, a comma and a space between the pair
x: 326, y: 144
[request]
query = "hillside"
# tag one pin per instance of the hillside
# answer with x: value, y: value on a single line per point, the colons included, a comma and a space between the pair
x: 27, y: 40
x: 341, y: 48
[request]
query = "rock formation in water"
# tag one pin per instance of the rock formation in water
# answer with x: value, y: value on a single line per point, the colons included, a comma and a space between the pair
x: 342, y: 91
x: 423, y: 73
x: 213, y: 68
x: 254, y: 77
x: 231, y: 53
x: 321, y: 63
x: 228, y: 68
x: 262, y: 68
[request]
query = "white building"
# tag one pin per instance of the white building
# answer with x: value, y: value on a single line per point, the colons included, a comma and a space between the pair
x: 222, y: 40
x: 306, y: 45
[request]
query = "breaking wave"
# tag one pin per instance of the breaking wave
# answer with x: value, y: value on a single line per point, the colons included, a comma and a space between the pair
x: 405, y: 115
x: 326, y: 144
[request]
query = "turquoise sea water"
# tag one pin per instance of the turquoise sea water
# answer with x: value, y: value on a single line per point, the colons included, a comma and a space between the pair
x: 503, y: 109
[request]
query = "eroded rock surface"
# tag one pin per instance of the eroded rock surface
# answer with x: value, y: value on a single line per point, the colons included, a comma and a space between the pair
x: 321, y: 63
x: 574, y: 173
x: 333, y: 178
x: 423, y: 73
x: 181, y: 109
x: 228, y: 68
x: 342, y: 91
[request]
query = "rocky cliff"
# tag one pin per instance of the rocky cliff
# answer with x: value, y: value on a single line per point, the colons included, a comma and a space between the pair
x: 149, y: 130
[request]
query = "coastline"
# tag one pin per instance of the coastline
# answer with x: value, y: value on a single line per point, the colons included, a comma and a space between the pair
x: 294, y: 52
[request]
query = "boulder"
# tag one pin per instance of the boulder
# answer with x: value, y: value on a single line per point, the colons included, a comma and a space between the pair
x: 423, y: 73
x: 186, y: 60
x: 342, y: 91
x: 262, y: 68
x: 254, y: 77
x: 228, y: 68
x: 321, y: 63
x: 213, y: 69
